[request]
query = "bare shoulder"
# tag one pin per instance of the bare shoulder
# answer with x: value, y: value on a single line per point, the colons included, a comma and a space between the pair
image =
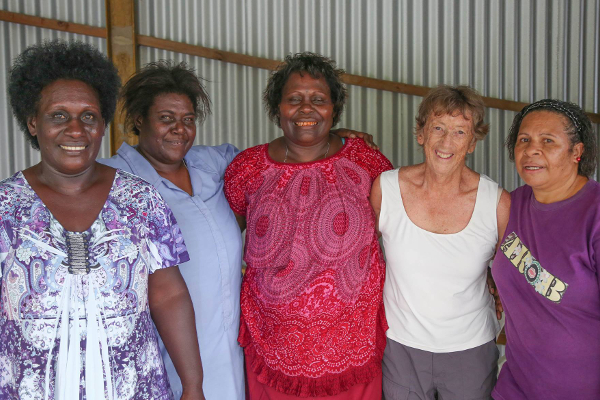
x: 504, y: 204
x: 412, y: 175
x: 469, y: 180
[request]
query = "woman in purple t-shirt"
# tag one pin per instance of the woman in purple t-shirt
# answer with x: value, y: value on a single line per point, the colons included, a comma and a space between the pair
x: 547, y: 266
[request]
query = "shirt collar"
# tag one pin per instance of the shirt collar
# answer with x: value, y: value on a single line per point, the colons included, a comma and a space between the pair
x: 139, y: 165
x: 142, y: 167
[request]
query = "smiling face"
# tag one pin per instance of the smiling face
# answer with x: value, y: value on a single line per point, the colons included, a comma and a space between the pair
x: 544, y: 155
x: 69, y: 126
x: 168, y: 131
x: 306, y: 109
x: 446, y: 141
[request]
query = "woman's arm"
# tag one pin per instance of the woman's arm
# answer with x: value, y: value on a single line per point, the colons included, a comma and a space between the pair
x: 502, y: 214
x: 173, y: 314
x: 241, y: 220
x: 375, y: 199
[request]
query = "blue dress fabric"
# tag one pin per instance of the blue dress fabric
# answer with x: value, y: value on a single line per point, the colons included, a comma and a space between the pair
x: 213, y: 274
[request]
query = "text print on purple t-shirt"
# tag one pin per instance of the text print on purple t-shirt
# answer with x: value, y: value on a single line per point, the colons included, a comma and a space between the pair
x: 543, y: 281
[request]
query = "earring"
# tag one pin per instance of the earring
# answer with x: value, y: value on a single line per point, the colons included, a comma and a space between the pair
x: 578, y: 159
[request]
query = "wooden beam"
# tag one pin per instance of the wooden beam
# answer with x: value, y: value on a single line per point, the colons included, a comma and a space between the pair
x: 54, y: 24
x: 122, y: 47
x: 355, y: 80
x: 242, y: 59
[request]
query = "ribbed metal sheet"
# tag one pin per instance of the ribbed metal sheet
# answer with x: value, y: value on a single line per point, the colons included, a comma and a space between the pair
x: 15, y: 151
x: 518, y: 50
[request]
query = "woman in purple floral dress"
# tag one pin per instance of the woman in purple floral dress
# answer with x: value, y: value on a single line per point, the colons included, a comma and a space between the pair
x: 84, y: 249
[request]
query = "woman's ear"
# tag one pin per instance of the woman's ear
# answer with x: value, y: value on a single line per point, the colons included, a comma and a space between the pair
x: 31, y: 125
x: 137, y: 121
x: 472, y: 146
x: 420, y: 138
x: 577, y: 151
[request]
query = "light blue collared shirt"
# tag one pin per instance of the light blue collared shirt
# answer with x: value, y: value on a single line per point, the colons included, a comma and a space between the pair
x: 213, y: 274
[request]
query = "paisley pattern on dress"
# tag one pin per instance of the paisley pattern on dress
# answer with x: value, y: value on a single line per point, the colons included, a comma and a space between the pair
x: 134, y: 235
x: 312, y: 310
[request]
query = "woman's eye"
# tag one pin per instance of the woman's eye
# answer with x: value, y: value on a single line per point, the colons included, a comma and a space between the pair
x: 437, y: 128
x: 460, y: 132
x: 548, y: 141
x: 189, y: 120
x: 318, y: 100
x: 167, y: 118
x: 523, y: 140
x: 89, y: 117
x: 59, y: 116
x: 294, y: 100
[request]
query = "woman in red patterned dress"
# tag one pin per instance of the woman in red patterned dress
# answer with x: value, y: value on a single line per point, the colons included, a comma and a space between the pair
x: 312, y: 320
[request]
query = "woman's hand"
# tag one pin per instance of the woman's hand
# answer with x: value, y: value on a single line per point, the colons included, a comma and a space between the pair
x: 494, y: 292
x: 173, y: 314
x: 349, y: 133
x: 193, y: 394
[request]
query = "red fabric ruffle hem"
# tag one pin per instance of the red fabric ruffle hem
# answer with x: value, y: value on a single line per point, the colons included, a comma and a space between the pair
x: 327, y: 385
x: 366, y: 391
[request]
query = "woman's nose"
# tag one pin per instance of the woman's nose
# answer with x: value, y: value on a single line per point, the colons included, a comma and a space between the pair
x: 75, y: 127
x: 178, y: 127
x: 306, y: 107
x: 531, y: 148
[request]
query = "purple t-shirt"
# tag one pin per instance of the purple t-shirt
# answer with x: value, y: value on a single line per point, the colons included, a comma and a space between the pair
x: 548, y: 277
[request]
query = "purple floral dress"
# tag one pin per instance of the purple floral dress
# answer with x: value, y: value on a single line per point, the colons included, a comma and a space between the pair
x: 50, y: 297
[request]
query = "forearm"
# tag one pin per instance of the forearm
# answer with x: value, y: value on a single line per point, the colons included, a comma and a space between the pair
x: 174, y: 318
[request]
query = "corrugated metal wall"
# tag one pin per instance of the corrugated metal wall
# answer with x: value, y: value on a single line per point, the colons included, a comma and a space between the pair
x: 517, y: 50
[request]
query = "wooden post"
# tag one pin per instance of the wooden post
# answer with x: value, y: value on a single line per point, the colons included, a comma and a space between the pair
x: 121, y: 43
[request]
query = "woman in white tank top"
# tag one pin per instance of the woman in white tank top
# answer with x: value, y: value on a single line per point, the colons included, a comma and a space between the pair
x: 440, y: 222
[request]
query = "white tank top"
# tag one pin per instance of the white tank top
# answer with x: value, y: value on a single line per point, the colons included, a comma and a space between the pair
x: 435, y: 292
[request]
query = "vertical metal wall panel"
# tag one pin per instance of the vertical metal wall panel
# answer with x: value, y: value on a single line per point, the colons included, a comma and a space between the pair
x: 88, y: 12
x: 520, y: 50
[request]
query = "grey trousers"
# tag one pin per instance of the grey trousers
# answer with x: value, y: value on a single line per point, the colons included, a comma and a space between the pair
x: 411, y: 374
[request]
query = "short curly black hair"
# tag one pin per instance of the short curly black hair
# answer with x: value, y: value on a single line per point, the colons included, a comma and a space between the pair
x: 316, y: 66
x: 41, y: 64
x: 158, y: 78
x: 578, y: 128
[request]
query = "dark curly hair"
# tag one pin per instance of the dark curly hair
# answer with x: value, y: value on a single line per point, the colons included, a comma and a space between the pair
x: 316, y: 66
x: 158, y: 78
x: 44, y: 63
x: 446, y: 99
x: 578, y: 128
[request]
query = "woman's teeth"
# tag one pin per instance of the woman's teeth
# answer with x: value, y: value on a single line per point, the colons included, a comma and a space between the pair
x: 305, y: 123
x: 72, y: 148
x: 443, y: 155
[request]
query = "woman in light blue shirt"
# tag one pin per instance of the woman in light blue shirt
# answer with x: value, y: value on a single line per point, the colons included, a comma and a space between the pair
x: 163, y: 103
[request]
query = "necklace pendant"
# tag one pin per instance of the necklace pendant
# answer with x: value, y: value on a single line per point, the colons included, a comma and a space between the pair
x: 78, y: 253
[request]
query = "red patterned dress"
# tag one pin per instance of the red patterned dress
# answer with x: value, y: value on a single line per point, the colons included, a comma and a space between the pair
x: 312, y: 320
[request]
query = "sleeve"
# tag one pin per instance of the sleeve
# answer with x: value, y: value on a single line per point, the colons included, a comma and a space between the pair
x: 237, y: 176
x: 164, y: 239
x: 228, y: 152
x: 116, y: 162
x: 371, y: 160
x: 596, y: 247
x: 7, y: 206
x: 5, y: 242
